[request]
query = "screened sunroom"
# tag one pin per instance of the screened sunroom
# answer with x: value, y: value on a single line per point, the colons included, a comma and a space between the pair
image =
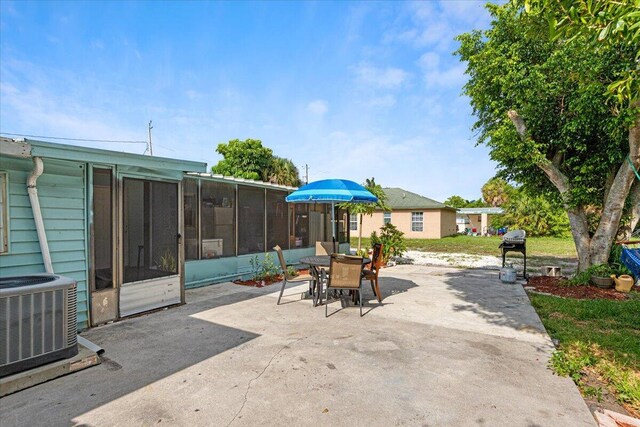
x: 229, y: 221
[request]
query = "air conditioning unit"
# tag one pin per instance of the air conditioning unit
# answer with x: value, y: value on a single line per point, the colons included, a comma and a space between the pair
x: 37, y: 321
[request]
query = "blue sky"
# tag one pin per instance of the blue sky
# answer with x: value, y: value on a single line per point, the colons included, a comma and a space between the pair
x: 353, y: 89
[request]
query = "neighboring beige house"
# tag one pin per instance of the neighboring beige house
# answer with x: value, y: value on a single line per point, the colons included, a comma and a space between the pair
x: 476, y: 220
x: 418, y: 217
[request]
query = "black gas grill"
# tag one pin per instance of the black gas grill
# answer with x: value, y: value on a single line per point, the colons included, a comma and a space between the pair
x: 515, y: 241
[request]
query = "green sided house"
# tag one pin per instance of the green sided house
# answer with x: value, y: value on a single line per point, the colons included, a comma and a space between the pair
x: 418, y: 217
x: 135, y: 231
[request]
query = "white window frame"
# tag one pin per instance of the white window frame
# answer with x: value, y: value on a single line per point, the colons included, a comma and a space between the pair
x: 353, y: 222
x: 386, y: 218
x: 4, y: 213
x: 417, y: 221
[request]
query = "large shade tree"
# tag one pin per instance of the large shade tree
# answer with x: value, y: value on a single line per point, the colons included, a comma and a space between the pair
x: 543, y: 108
x: 244, y: 159
x: 250, y: 159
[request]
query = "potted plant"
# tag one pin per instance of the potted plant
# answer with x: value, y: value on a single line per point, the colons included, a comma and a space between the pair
x: 601, y: 275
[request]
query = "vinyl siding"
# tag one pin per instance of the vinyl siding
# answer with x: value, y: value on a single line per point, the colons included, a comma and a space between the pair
x: 61, y: 190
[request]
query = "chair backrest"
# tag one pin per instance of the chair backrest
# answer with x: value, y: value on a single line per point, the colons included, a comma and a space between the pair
x: 324, y: 248
x: 283, y: 263
x: 376, y: 258
x: 345, y: 272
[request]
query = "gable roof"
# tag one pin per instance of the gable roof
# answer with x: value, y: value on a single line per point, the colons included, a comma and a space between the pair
x: 397, y: 198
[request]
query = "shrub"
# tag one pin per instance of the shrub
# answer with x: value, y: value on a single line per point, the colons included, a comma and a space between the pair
x: 392, y: 241
x: 598, y: 270
x: 264, y: 270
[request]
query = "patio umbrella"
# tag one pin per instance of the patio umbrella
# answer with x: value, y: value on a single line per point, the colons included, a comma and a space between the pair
x: 332, y: 191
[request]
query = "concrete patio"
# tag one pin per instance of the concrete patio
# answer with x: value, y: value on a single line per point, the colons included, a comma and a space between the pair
x: 447, y: 347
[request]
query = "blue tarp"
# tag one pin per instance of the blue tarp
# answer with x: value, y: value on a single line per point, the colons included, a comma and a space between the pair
x: 631, y: 258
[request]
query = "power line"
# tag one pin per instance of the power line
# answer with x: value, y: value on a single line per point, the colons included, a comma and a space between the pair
x: 74, y: 139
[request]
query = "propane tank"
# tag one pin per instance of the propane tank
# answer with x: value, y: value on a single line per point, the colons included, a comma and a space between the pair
x: 508, y: 274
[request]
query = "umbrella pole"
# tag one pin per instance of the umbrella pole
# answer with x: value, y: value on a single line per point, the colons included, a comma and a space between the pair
x: 333, y: 225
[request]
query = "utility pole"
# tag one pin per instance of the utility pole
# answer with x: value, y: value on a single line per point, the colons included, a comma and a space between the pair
x: 149, y: 146
x: 306, y: 173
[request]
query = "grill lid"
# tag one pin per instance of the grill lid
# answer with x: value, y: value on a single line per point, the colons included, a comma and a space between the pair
x: 515, y: 236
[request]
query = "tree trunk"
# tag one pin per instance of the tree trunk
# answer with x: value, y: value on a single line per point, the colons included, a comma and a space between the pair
x: 580, y: 234
x: 635, y: 207
x: 595, y: 250
x: 607, y: 230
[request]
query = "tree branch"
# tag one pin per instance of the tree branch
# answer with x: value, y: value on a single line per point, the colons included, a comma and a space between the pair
x: 550, y: 168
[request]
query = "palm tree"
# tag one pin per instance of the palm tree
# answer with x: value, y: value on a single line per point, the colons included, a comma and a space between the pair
x: 282, y: 171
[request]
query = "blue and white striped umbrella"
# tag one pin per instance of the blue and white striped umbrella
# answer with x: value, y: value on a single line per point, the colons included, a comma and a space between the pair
x: 332, y: 191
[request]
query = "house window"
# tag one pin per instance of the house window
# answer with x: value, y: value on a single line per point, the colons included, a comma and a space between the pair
x: 479, y: 218
x: 353, y: 222
x: 4, y: 208
x: 386, y: 218
x: 417, y: 221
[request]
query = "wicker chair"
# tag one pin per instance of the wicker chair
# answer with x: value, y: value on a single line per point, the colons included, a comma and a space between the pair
x: 345, y: 274
x: 371, y: 273
x: 285, y: 274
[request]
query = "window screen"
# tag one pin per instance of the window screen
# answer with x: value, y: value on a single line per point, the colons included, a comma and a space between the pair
x: 150, y: 229
x: 299, y: 225
x: 251, y: 206
x: 218, y: 219
x: 277, y: 220
x: 191, y: 223
x: 342, y: 217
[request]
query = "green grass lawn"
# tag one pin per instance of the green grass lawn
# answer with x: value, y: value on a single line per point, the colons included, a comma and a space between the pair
x: 598, y: 335
x: 536, y: 246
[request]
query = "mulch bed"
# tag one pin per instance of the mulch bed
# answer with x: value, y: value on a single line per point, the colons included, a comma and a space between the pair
x: 557, y: 286
x: 262, y: 284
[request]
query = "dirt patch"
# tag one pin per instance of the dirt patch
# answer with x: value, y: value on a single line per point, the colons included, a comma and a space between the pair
x: 597, y: 396
x: 268, y: 281
x: 558, y: 286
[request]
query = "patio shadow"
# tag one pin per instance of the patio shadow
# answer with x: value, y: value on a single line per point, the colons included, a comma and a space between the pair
x: 138, y: 352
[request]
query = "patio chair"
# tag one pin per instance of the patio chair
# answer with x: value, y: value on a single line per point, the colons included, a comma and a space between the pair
x: 371, y: 273
x: 286, y: 277
x: 345, y: 274
x: 325, y: 248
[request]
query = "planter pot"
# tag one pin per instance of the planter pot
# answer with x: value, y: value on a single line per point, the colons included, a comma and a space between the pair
x: 602, y: 282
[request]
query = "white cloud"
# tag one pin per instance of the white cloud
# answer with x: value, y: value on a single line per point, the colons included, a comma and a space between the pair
x: 388, y: 77
x: 429, y: 61
x: 435, y: 25
x: 438, y: 75
x: 318, y: 107
x: 97, y: 44
x: 192, y: 94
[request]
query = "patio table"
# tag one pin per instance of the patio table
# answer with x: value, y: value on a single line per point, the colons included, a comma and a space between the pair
x: 316, y: 265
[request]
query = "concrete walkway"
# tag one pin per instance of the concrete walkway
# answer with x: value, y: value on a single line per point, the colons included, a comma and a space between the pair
x: 447, y: 348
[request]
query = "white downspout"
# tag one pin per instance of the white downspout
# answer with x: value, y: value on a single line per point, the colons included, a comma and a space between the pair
x: 38, y: 169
